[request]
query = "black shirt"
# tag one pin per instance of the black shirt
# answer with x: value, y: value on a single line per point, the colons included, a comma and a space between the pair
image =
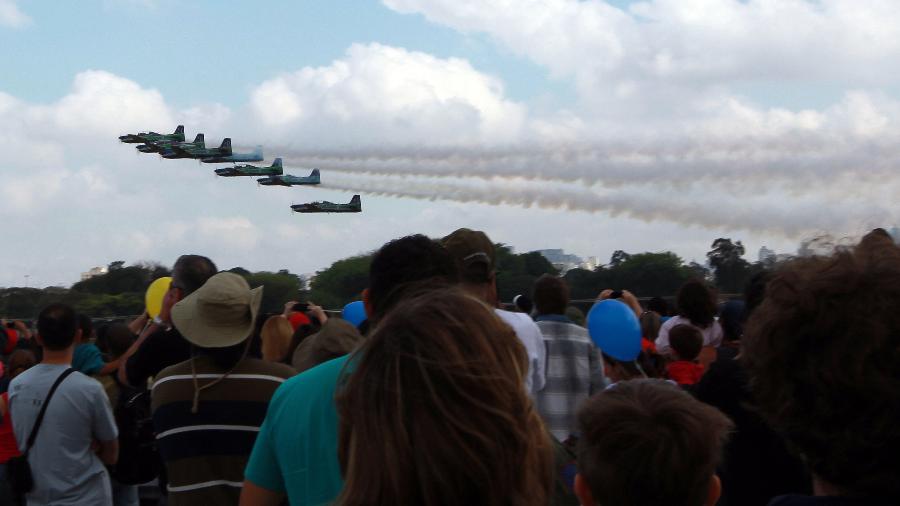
x: 158, y: 351
x: 757, y: 465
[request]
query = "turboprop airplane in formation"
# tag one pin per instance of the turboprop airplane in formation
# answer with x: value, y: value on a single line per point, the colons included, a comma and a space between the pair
x: 179, y: 150
x: 149, y: 137
x: 173, y: 146
x: 254, y: 156
x: 289, y: 180
x: 252, y: 170
x: 200, y: 152
x: 154, y: 147
x: 355, y: 206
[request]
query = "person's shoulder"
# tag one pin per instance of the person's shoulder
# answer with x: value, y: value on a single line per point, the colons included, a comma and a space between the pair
x: 259, y: 366
x: 87, y: 348
x: 671, y: 322
x: 518, y: 321
x: 313, y: 379
x: 23, y: 378
x: 79, y: 383
x: 180, y: 368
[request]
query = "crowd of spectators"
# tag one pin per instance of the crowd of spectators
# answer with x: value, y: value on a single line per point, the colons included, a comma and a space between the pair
x: 785, y: 397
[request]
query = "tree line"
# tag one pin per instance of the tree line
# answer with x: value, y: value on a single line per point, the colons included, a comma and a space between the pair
x: 120, y: 291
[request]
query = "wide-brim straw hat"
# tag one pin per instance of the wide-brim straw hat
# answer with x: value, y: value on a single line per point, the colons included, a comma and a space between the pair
x: 219, y: 314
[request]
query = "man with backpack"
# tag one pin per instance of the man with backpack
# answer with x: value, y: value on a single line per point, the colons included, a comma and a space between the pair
x: 58, y: 415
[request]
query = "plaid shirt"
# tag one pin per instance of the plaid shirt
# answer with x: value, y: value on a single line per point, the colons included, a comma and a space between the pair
x: 574, y: 371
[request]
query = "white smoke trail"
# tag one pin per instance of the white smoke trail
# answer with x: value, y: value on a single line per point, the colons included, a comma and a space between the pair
x: 782, y: 214
x: 805, y: 162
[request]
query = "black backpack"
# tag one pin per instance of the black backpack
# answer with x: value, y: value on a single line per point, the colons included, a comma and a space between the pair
x: 139, y: 460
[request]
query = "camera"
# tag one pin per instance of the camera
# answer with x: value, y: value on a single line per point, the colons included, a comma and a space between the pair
x: 300, y: 306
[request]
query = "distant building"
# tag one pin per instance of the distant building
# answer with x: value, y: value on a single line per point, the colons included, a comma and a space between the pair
x: 766, y: 255
x: 94, y: 271
x: 590, y: 264
x: 561, y: 260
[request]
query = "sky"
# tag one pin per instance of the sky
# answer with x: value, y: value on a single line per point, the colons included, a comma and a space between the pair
x: 586, y: 125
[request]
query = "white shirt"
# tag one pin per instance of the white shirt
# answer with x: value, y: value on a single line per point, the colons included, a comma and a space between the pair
x: 712, y: 335
x: 528, y: 332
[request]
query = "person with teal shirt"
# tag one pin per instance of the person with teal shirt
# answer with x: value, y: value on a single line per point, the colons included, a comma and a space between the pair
x: 296, y: 451
x: 87, y: 358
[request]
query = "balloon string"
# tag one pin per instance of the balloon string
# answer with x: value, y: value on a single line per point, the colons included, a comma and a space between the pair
x: 639, y: 368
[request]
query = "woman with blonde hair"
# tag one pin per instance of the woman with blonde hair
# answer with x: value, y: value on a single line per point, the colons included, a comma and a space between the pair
x: 276, y: 337
x: 434, y: 411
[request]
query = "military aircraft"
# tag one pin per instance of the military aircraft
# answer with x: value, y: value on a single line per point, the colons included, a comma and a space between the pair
x: 254, y: 156
x: 355, y: 206
x: 200, y: 152
x: 252, y: 170
x: 151, y: 137
x: 177, y: 150
x: 154, y: 147
x: 289, y: 180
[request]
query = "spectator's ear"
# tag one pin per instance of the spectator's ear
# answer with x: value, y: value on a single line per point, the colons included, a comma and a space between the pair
x: 583, y: 491
x: 367, y: 304
x: 715, y: 490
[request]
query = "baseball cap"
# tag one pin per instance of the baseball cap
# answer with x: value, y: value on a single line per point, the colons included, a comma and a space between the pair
x: 474, y: 253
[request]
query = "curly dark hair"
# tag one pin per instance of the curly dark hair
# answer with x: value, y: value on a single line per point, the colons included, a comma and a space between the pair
x: 823, y: 354
x: 695, y: 302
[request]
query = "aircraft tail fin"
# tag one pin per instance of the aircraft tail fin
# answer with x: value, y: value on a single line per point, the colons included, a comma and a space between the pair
x: 314, y: 173
x: 226, y: 145
x: 277, y: 163
x: 199, y: 139
x: 356, y: 201
x: 179, y: 130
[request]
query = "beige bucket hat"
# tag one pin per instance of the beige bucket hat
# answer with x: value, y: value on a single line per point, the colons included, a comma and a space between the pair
x: 220, y: 313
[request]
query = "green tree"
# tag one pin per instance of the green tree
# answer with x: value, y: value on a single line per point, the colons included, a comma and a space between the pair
x: 516, y: 273
x: 650, y: 274
x: 731, y: 271
x: 583, y: 284
x: 341, y: 283
x: 278, y: 288
x: 618, y: 258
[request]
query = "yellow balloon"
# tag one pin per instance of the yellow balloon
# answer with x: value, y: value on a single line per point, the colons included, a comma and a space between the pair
x: 155, y: 293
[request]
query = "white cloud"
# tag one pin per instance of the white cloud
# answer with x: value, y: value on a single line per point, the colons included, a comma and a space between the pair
x: 11, y: 16
x: 658, y: 56
x: 102, y: 103
x: 379, y: 93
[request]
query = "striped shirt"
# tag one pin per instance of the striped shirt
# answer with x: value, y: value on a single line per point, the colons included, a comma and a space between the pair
x: 574, y: 371
x: 205, y: 452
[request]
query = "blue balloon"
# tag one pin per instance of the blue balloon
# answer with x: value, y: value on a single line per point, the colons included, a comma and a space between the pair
x: 615, y: 329
x: 354, y: 313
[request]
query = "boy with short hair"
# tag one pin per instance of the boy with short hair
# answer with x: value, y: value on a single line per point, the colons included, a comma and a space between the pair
x: 685, y: 341
x: 647, y: 442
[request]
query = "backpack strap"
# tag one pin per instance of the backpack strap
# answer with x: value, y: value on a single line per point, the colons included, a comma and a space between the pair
x: 40, y: 418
